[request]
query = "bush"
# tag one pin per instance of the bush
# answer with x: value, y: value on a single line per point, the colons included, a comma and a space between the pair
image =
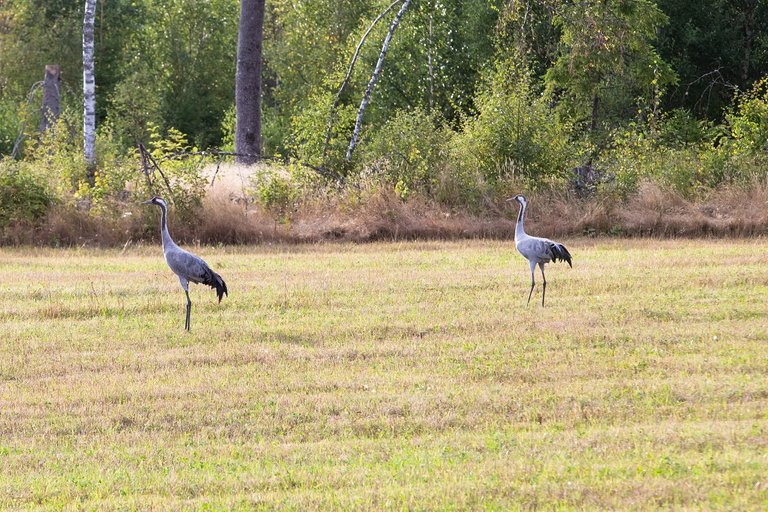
x: 23, y: 196
x: 748, y: 125
x: 185, y: 187
x: 409, y: 152
x: 9, y: 125
x: 309, y: 128
x: 516, y: 135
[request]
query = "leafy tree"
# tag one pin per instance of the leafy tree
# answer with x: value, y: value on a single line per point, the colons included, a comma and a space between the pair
x: 717, y: 47
x: 515, y: 135
x: 607, y: 66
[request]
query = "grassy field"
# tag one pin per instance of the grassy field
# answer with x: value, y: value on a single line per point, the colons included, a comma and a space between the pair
x: 387, y: 376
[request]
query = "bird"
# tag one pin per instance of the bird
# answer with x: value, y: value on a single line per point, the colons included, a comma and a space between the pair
x: 536, y: 250
x: 187, y: 266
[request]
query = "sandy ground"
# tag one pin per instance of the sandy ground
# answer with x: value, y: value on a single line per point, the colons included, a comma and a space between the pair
x: 230, y: 180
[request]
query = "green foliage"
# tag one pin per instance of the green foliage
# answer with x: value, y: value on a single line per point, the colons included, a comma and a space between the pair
x: 409, y: 151
x: 59, y: 155
x: 309, y: 129
x: 475, y: 96
x: 281, y: 188
x: 690, y: 169
x: 115, y: 171
x: 275, y: 189
x: 749, y: 123
x: 135, y: 107
x: 185, y: 183
x: 9, y: 125
x: 515, y: 134
x: 436, y: 59
x: 679, y: 127
x: 678, y: 155
x: 717, y: 47
x: 24, y: 196
x: 607, y: 63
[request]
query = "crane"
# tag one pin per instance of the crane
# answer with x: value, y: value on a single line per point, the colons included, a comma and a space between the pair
x: 536, y: 250
x: 187, y: 266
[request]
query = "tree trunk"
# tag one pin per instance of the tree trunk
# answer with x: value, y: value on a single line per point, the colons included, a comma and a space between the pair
x: 374, y: 77
x: 749, y: 38
x: 349, y: 75
x: 89, y: 89
x: 248, y: 81
x: 50, y: 108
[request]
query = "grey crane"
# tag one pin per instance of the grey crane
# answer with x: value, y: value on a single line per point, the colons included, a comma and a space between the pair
x: 187, y: 266
x: 537, y: 251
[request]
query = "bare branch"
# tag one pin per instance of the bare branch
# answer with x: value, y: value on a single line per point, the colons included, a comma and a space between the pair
x: 374, y: 77
x: 349, y: 74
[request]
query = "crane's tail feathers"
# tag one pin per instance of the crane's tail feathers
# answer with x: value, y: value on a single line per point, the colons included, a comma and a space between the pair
x: 214, y: 280
x: 559, y: 252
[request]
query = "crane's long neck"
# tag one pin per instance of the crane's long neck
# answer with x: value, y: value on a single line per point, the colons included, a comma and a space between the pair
x: 519, y: 230
x: 167, y: 240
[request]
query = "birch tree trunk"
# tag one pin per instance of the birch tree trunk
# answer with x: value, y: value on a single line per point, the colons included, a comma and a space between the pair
x: 248, y: 81
x: 374, y: 77
x: 89, y: 89
x: 349, y: 75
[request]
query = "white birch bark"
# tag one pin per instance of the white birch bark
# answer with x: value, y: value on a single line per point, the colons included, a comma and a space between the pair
x: 89, y: 86
x: 374, y: 77
x: 349, y: 75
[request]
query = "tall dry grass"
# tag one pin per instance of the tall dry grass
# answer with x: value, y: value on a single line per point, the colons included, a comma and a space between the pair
x: 228, y: 216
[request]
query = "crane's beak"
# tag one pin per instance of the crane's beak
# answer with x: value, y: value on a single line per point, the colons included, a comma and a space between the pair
x: 147, y: 202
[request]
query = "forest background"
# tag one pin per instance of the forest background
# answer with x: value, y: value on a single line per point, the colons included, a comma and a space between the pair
x: 620, y: 117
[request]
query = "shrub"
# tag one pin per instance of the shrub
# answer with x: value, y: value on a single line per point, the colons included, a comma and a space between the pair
x: 23, y: 196
x: 280, y: 188
x: 9, y: 125
x: 515, y: 134
x: 185, y: 184
x: 408, y: 152
x: 748, y: 125
x: 59, y: 155
x: 309, y: 128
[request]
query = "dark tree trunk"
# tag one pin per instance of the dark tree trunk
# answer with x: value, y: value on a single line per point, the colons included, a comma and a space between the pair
x: 749, y: 38
x: 248, y: 81
x: 50, y: 108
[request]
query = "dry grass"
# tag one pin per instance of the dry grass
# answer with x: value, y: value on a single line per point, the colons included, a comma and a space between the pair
x: 381, y: 376
x: 229, y: 216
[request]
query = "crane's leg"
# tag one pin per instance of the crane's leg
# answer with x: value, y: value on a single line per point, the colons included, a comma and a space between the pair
x: 533, y: 281
x: 544, y: 278
x: 189, y: 310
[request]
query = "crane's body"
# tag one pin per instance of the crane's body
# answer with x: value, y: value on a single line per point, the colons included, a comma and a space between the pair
x: 536, y: 250
x: 188, y: 267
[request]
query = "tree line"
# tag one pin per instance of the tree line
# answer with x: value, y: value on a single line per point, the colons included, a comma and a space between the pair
x: 473, y: 94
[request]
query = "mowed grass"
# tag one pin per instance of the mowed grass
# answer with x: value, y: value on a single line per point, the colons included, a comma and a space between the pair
x: 387, y: 376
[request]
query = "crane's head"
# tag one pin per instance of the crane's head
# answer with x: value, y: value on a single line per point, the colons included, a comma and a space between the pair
x: 519, y: 198
x: 156, y: 201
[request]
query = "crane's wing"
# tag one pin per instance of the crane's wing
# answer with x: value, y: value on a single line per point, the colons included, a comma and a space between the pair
x: 186, y: 265
x: 535, y: 249
x: 195, y: 269
x: 543, y: 250
x: 559, y: 252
